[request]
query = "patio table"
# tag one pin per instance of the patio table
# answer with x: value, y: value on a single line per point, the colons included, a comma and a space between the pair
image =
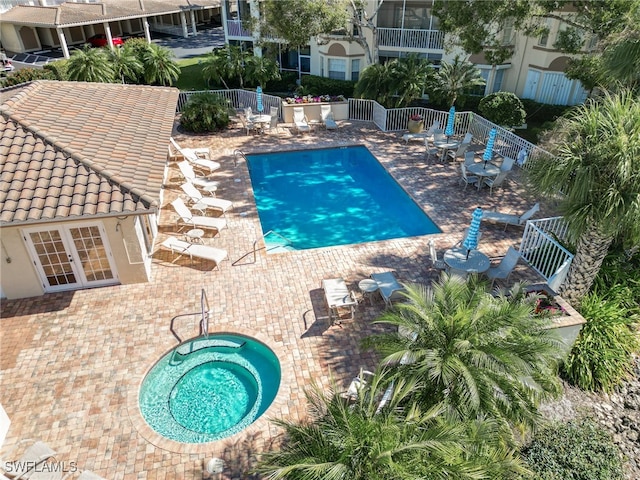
x: 260, y: 120
x: 444, y: 146
x: 475, y: 262
x: 483, y: 169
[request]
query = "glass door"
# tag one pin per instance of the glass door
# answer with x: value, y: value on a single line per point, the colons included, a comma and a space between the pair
x: 71, y: 257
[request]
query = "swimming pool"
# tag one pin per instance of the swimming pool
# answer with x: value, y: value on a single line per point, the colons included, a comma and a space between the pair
x: 326, y: 197
x: 209, y: 388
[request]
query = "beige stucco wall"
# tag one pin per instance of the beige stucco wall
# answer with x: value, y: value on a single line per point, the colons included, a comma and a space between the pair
x: 312, y: 111
x: 10, y: 38
x: 19, y: 277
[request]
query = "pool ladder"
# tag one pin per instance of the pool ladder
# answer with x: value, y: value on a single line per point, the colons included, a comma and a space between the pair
x: 204, y: 317
x: 236, y: 154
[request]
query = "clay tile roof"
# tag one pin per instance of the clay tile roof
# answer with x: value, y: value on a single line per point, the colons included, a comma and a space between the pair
x: 53, y: 166
x: 70, y: 13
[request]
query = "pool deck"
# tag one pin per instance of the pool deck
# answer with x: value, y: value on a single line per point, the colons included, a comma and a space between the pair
x: 72, y: 362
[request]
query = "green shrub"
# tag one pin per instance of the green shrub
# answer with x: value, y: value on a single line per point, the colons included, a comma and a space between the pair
x: 576, y: 450
x: 58, y: 68
x: 205, y: 112
x: 314, y: 85
x: 285, y: 85
x: 26, y: 75
x: 503, y: 108
x: 542, y: 112
x: 602, y: 356
x: 619, y: 278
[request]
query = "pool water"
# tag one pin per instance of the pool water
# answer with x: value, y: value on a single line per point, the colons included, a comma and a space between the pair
x: 209, y: 388
x: 326, y: 197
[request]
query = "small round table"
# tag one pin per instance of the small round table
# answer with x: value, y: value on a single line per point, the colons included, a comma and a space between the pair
x: 483, y: 169
x: 368, y: 287
x: 194, y: 235
x: 472, y: 262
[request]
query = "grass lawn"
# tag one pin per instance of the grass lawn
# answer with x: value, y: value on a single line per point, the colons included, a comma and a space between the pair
x: 191, y: 75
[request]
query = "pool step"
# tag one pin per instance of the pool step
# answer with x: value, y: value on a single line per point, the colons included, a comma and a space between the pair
x: 203, y: 343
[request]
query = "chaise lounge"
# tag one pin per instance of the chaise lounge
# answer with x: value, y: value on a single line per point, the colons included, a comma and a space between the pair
x: 216, y: 255
x: 338, y: 300
x: 510, y: 219
x: 388, y: 287
x: 196, y: 221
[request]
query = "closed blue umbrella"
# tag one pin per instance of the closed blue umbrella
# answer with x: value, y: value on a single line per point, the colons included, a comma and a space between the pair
x: 450, y: 122
x: 259, y: 99
x: 471, y: 241
x: 488, y: 151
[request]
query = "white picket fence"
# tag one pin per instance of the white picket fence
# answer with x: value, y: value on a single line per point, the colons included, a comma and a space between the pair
x: 237, y: 99
x: 541, y: 248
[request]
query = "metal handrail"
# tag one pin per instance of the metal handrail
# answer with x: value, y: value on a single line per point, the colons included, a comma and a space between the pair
x: 237, y: 153
x: 204, y: 318
x: 287, y: 241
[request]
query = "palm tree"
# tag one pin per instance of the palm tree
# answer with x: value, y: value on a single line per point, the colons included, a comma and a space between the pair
x: 594, y: 173
x: 90, y: 65
x: 126, y: 65
x: 359, y: 441
x: 226, y: 63
x: 480, y: 355
x: 159, y: 66
x: 453, y: 79
x: 376, y: 83
x: 261, y: 70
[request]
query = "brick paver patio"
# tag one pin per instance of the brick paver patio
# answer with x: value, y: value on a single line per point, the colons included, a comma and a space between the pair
x: 72, y: 362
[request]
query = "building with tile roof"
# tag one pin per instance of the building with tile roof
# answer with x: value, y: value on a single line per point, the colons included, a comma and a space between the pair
x: 81, y: 172
x: 33, y: 28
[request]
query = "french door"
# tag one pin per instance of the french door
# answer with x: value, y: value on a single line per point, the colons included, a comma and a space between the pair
x: 71, y: 257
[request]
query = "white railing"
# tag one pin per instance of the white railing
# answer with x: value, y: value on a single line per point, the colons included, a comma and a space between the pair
x: 411, y: 38
x: 235, y: 29
x: 541, y: 248
x: 237, y: 98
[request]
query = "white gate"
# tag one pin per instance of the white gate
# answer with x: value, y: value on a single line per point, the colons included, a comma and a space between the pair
x: 541, y: 248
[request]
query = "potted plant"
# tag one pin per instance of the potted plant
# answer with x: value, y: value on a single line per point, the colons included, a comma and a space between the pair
x: 416, y: 123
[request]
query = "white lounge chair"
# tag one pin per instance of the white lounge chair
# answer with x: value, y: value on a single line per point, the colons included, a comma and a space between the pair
x: 201, y: 202
x: 35, y: 454
x: 216, y: 255
x: 388, y: 287
x: 510, y: 219
x: 198, y: 157
x: 206, y: 183
x: 338, y: 298
x: 327, y: 117
x: 505, y: 267
x: 300, y: 120
x: 196, y: 221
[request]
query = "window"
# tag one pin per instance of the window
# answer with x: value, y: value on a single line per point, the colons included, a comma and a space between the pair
x: 337, y: 69
x: 497, y: 80
x: 507, y: 32
x: 355, y: 69
x: 544, y: 38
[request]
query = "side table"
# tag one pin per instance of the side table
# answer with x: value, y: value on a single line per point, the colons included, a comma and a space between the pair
x: 368, y: 287
x: 194, y: 235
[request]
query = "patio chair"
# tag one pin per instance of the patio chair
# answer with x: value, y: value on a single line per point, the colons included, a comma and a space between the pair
x: 496, y: 181
x: 199, y: 157
x: 247, y: 124
x: 357, y: 384
x: 206, y: 183
x: 388, y: 287
x: 327, y: 117
x: 273, y: 111
x: 300, y: 121
x: 459, y: 153
x: 510, y: 219
x: 338, y: 299
x: 469, y: 158
x: 431, y: 130
x: 467, y: 179
x: 200, y: 202
x: 273, y: 123
x: 505, y: 267
x: 468, y: 137
x: 507, y: 164
x: 196, y: 221
x: 216, y: 255
x: 435, y: 261
x: 431, y: 150
x: 35, y: 454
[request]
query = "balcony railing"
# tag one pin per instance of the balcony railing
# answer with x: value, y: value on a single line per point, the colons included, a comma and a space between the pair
x: 411, y: 38
x: 234, y: 29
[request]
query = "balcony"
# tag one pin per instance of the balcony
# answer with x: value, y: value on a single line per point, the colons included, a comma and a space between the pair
x: 235, y: 29
x: 411, y: 38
